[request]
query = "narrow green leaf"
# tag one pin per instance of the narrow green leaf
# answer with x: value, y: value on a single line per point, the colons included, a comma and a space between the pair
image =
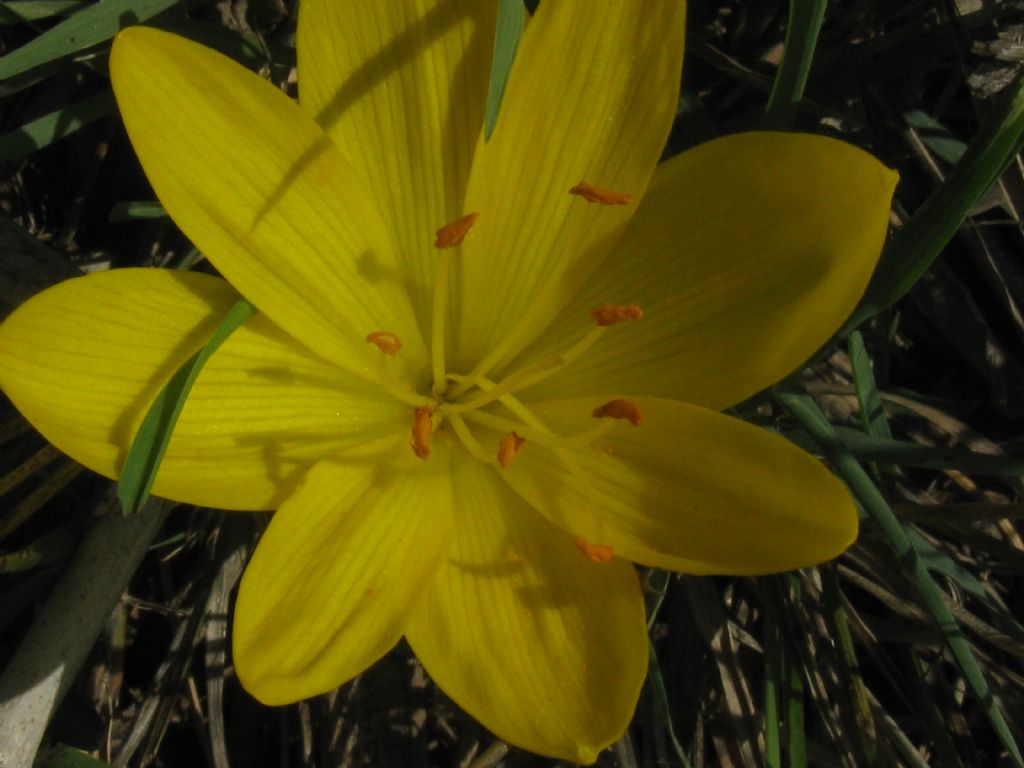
x: 913, y: 248
x: 69, y: 757
x: 795, y: 722
x: 150, y: 443
x: 805, y: 17
x: 872, y: 415
x: 878, y: 511
x: 907, y: 454
x: 17, y: 11
x: 50, y: 547
x: 133, y: 210
x: 92, y: 25
x: 511, y: 20
x: 662, y: 711
x: 937, y: 137
x: 45, y: 130
x: 774, y: 684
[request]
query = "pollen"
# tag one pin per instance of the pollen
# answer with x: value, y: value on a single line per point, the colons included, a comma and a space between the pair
x: 620, y: 409
x: 601, y: 554
x: 422, y: 431
x: 386, y: 342
x: 599, y: 195
x: 452, y: 235
x: 508, y: 448
x: 610, y: 314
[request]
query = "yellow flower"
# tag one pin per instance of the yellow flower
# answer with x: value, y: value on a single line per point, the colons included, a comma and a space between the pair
x: 467, y: 444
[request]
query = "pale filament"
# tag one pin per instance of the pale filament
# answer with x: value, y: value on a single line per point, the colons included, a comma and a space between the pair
x: 393, y: 388
x: 471, y: 443
x: 545, y: 438
x: 524, y: 377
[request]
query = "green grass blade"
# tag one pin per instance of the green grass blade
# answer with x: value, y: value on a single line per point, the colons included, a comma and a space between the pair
x: 796, y: 731
x: 92, y: 25
x: 774, y: 669
x: 45, y: 130
x: 912, y: 248
x: 17, y: 11
x: 662, y: 710
x: 872, y: 415
x: 150, y: 443
x: 906, y: 454
x: 511, y: 20
x: 134, y: 210
x: 877, y: 510
x: 69, y: 757
x: 805, y: 17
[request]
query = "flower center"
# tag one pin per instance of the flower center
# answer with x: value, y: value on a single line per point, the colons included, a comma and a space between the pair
x: 468, y: 405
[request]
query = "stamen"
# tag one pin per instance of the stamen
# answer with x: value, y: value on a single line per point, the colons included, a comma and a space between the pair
x: 470, y: 443
x: 451, y: 235
x: 524, y: 377
x: 385, y: 341
x: 508, y: 448
x: 601, y: 554
x: 422, y: 431
x: 620, y: 409
x: 610, y: 314
x: 593, y: 194
x: 448, y: 236
x: 401, y: 392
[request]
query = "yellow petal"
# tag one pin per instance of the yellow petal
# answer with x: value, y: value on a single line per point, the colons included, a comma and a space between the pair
x: 545, y: 648
x: 260, y: 189
x: 400, y: 88
x: 689, y: 489
x: 590, y: 98
x: 746, y: 255
x: 330, y: 586
x: 84, y: 360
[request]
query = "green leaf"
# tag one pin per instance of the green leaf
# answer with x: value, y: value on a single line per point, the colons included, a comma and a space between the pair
x: 133, y: 210
x: 872, y: 415
x: 904, y: 552
x: 913, y: 248
x: 906, y: 454
x: 69, y: 757
x: 17, y: 11
x: 150, y: 443
x: 45, y: 130
x: 91, y: 26
x: 937, y: 137
x: 511, y: 20
x: 805, y: 17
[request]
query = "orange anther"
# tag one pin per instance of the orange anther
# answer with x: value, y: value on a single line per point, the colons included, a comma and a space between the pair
x: 422, y: 431
x: 610, y: 314
x: 593, y: 194
x: 508, y: 448
x: 451, y: 235
x: 601, y: 554
x: 620, y: 409
x: 386, y: 342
